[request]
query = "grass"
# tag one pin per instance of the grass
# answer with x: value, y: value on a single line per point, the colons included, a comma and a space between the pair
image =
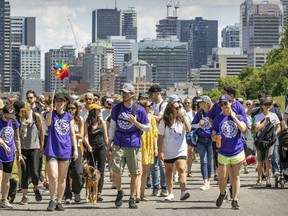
x: 281, y: 101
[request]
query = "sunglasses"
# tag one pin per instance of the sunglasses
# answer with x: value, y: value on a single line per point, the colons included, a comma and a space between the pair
x: 186, y: 102
x: 248, y: 104
x: 71, y: 108
x: 88, y: 98
x: 269, y: 104
x: 177, y: 108
x: 108, y: 107
x: 223, y: 104
x: 28, y: 98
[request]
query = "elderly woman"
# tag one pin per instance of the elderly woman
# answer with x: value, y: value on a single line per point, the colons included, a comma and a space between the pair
x: 227, y: 127
x: 173, y: 146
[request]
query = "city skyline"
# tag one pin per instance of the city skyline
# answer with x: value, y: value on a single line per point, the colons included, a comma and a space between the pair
x: 53, y: 29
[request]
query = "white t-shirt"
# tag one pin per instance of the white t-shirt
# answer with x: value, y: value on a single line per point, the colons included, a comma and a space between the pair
x: 273, y: 118
x: 189, y: 115
x: 156, y: 111
x: 174, y: 142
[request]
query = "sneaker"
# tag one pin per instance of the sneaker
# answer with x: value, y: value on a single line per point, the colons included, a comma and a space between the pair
x: 38, y: 196
x: 59, y: 207
x: 170, y: 197
x: 263, y: 177
x: 132, y: 204
x: 99, y: 198
x: 155, y: 192
x: 235, y: 205
x: 67, y: 201
x: 276, y: 174
x: 149, y: 183
x: 221, y: 198
x: 118, y: 201
x: 24, y: 200
x: 4, y: 203
x: 184, y: 195
x: 164, y: 192
x: 77, y: 198
x: 51, y: 206
x: 215, y: 178
x: 205, y: 187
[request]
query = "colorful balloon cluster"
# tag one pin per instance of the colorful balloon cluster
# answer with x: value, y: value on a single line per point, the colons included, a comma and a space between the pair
x: 61, y: 70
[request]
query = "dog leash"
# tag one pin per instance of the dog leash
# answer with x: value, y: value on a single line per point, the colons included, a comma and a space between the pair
x: 93, y: 160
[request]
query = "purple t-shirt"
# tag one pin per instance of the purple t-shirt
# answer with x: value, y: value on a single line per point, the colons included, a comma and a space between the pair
x: 206, y: 129
x: 231, y: 142
x: 7, y: 135
x: 127, y: 134
x: 237, y: 107
x: 59, y: 144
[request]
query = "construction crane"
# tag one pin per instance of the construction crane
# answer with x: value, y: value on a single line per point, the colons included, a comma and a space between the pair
x: 72, y: 29
x: 176, y: 7
x: 168, y: 5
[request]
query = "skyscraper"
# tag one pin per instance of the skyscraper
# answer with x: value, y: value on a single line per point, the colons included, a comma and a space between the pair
x: 285, y: 11
x: 230, y: 36
x: 167, y: 27
x: 106, y: 22
x: 183, y: 30
x: 129, y: 24
x: 5, y: 48
x: 203, y: 37
x: 260, y: 23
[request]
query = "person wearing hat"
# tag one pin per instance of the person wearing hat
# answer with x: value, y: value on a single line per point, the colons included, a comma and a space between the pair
x: 9, y: 138
x: 128, y: 120
x: 226, y: 131
x: 204, y: 142
x: 259, y: 124
x: 143, y: 96
x: 96, y: 140
x: 58, y: 151
x: 158, y: 108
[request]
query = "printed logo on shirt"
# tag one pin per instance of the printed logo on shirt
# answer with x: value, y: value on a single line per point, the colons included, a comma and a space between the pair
x: 62, y: 126
x: 7, y: 134
x: 123, y: 121
x: 206, y: 125
x: 229, y: 129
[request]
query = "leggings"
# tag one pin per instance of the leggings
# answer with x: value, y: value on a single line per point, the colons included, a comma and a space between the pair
x: 100, y: 159
x: 31, y: 167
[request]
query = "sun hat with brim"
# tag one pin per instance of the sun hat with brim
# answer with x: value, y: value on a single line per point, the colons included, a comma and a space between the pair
x: 225, y: 98
x: 173, y: 98
x: 95, y: 106
x: 128, y: 88
x: 9, y: 112
x: 1, y: 104
x: 204, y: 98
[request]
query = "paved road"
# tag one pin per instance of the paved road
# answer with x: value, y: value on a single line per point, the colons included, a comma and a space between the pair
x: 253, y: 201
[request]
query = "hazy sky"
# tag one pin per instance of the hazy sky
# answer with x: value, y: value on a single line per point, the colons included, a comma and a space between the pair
x: 53, y: 29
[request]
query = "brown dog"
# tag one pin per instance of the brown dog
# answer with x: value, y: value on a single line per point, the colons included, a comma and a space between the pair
x: 92, y: 179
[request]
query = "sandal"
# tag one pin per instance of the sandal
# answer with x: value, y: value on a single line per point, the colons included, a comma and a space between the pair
x: 144, y: 199
x: 259, y: 183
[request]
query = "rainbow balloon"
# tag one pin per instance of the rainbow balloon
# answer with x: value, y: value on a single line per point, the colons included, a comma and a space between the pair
x: 61, y: 70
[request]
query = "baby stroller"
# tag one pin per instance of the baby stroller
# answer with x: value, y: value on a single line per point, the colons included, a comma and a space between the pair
x: 283, y: 159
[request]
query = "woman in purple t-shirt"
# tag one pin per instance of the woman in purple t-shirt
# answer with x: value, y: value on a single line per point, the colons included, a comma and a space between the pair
x: 58, y: 151
x: 226, y: 130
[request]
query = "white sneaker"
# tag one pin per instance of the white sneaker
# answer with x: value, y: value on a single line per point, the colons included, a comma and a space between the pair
x: 175, y: 178
x: 170, y: 197
x: 205, y: 187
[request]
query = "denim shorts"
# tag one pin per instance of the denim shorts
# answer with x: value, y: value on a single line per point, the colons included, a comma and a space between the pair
x: 236, y: 159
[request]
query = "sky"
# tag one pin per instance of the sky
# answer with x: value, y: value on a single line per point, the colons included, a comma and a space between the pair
x: 53, y: 29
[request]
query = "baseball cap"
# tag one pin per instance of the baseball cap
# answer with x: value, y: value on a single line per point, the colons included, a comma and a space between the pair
x: 9, y: 112
x: 173, y: 98
x: 128, y: 88
x: 60, y: 96
x: 154, y: 88
x: 1, y: 104
x: 95, y: 106
x: 143, y: 95
x: 225, y: 98
x: 267, y: 101
x: 204, y: 98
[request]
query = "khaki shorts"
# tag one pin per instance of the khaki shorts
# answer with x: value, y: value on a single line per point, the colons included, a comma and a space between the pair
x: 236, y: 159
x: 130, y: 156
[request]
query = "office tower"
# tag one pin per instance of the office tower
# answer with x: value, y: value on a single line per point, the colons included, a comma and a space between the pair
x: 230, y: 36
x: 260, y: 23
x: 183, y: 30
x: 203, y: 37
x: 166, y: 27
x: 98, y: 57
x: 65, y: 53
x: 106, y: 22
x: 30, y: 62
x: 168, y: 55
x: 285, y: 11
x: 129, y: 24
x: 5, y: 48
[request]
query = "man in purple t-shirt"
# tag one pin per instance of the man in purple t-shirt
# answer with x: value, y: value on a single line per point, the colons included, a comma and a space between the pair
x: 125, y: 131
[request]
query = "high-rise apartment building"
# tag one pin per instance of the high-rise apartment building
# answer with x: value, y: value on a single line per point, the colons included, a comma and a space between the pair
x: 260, y: 23
x: 106, y: 22
x: 5, y: 48
x: 230, y: 36
x: 65, y: 53
x: 129, y: 24
x: 203, y: 37
x: 168, y: 55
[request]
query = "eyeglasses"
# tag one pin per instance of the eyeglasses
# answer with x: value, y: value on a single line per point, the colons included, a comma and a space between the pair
x: 223, y: 104
x: 88, y: 98
x: 177, y: 108
x: 108, y: 107
x: 248, y: 104
x: 28, y: 98
x: 186, y: 102
x: 71, y: 108
x: 267, y: 104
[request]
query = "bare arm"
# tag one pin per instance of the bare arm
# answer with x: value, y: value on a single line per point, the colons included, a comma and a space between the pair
x: 73, y: 139
x: 86, y: 140
x: 105, y: 134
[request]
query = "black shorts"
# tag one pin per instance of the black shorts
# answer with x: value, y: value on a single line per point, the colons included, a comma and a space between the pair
x: 6, y: 167
x: 175, y: 159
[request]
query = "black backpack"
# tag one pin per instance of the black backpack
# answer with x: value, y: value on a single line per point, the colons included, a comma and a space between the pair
x: 283, y: 137
x: 266, y: 138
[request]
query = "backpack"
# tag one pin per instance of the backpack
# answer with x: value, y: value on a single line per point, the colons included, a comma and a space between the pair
x: 118, y: 107
x: 192, y: 135
x: 266, y: 138
x: 283, y: 138
x: 248, y: 141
